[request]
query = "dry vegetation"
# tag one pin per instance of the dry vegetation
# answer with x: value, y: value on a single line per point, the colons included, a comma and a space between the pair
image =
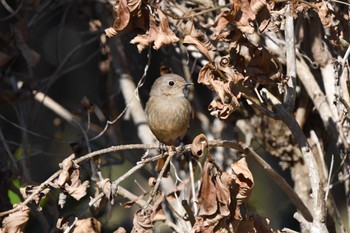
x: 271, y: 89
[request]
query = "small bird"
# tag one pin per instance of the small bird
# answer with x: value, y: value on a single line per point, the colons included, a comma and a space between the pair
x: 168, y: 110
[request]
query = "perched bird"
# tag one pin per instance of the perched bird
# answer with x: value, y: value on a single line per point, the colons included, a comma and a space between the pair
x: 168, y: 110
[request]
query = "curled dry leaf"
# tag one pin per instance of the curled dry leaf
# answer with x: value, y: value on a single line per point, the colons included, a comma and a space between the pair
x: 236, y: 75
x: 243, y: 14
x: 76, y: 189
x: 126, y: 12
x: 27, y: 191
x: 69, y: 179
x: 158, y: 34
x: 207, y: 201
x: 199, y: 145
x: 203, y: 47
x: 221, y: 199
x: 122, y: 15
x: 87, y: 225
x: 245, y: 184
x: 105, y: 186
x: 215, y: 78
x: 144, y: 219
x: 15, y: 223
x: 66, y: 165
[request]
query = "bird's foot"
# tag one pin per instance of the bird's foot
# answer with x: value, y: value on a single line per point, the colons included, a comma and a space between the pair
x: 162, y: 148
x: 182, y: 147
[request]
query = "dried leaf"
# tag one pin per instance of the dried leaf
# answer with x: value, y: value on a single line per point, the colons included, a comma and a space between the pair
x: 222, y: 83
x: 207, y: 201
x: 144, y: 219
x: 64, y: 174
x: 15, y: 222
x: 243, y: 14
x: 78, y: 190
x: 122, y: 15
x: 27, y: 191
x: 69, y: 179
x: 142, y: 222
x: 105, y: 186
x: 245, y: 184
x: 203, y: 48
x: 159, y: 34
x: 199, y: 145
x: 134, y: 6
x: 87, y: 225
x: 166, y: 35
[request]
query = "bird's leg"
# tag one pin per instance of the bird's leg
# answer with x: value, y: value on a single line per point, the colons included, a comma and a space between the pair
x: 162, y: 148
x: 160, y: 163
x: 182, y: 145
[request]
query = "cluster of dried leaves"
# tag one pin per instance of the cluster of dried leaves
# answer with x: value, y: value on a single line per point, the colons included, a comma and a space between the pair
x: 68, y: 183
x: 236, y: 65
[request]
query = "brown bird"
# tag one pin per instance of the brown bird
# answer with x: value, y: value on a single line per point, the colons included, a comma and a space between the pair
x: 168, y: 110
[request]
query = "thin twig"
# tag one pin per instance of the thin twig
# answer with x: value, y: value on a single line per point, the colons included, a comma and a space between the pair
x: 160, y: 176
x: 290, y: 93
x: 190, y: 166
x: 329, y: 177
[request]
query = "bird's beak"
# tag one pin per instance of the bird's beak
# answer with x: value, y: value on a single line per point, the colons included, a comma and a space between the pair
x: 188, y: 84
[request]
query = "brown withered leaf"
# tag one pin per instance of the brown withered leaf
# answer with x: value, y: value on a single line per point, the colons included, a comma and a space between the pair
x: 142, y: 222
x: 105, y: 186
x: 158, y: 34
x: 223, y: 184
x: 165, y: 35
x: 245, y: 184
x: 202, y: 47
x: 66, y: 165
x: 122, y: 15
x: 326, y: 15
x: 144, y: 219
x: 247, y: 15
x: 199, y: 145
x: 262, y: 67
x: 75, y: 188
x: 128, y: 12
x: 222, y: 78
x: 28, y: 190
x: 15, y: 222
x: 207, y: 201
x: 69, y: 179
x: 87, y: 225
x: 242, y: 14
x: 134, y: 6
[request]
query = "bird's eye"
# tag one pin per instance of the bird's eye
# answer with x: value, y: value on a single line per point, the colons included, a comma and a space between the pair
x: 171, y: 83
